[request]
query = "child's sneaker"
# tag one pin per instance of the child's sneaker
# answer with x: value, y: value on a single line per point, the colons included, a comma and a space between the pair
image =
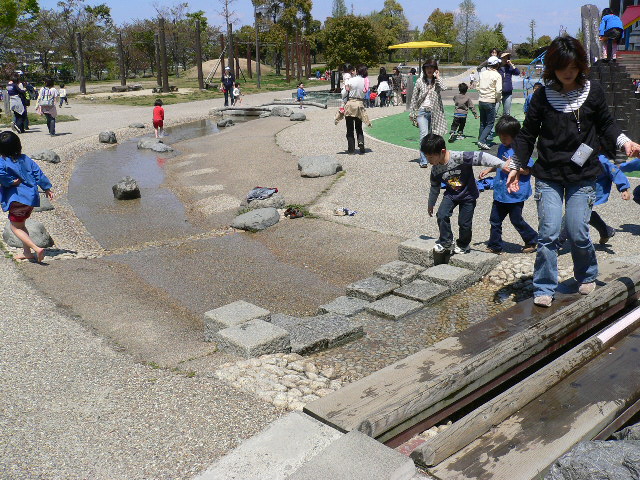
x: 460, y: 250
x: 604, y: 240
x: 452, y: 138
x: 439, y: 248
x: 483, y: 146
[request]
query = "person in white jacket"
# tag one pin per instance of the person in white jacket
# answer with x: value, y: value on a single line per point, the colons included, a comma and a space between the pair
x: 490, y: 90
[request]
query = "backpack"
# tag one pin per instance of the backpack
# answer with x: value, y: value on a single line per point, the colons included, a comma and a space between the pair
x: 46, y: 99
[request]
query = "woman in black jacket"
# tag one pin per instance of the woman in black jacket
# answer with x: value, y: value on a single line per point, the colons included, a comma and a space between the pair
x: 383, y: 86
x: 569, y: 118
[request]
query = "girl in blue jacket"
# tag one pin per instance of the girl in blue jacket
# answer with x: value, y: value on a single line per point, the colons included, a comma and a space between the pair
x: 20, y: 178
x: 611, y: 33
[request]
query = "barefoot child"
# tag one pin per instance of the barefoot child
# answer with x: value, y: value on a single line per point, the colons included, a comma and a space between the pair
x: 158, y: 118
x: 20, y: 178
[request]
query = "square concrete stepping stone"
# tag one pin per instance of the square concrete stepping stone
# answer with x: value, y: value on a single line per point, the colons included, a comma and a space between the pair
x: 312, y: 334
x: 274, y: 453
x: 231, y: 315
x: 356, y: 456
x: 253, y: 338
x: 371, y: 288
x: 347, y: 306
x: 399, y: 272
x: 418, y: 251
x: 455, y: 279
x: 480, y: 262
x: 394, y: 307
x: 422, y: 291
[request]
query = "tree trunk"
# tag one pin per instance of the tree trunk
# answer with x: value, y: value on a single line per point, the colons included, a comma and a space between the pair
x: 199, y: 56
x: 123, y: 74
x: 81, y: 79
x: 156, y: 42
x: 163, y: 56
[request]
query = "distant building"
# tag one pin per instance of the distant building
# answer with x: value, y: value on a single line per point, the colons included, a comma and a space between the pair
x: 632, y: 34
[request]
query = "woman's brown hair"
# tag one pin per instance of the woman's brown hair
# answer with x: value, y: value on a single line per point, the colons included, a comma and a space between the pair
x: 429, y: 63
x: 562, y: 52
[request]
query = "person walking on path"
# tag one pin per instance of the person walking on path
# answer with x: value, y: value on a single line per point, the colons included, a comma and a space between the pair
x: 427, y: 110
x: 611, y: 32
x: 46, y: 105
x: 396, y: 80
x: 20, y: 178
x: 227, y: 82
x: 507, y: 70
x: 17, y: 101
x: 490, y: 90
x: 383, y: 88
x: 354, y: 111
x: 568, y: 118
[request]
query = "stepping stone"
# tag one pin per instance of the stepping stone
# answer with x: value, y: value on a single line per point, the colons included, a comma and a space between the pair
x: 231, y: 315
x: 455, y: 279
x: 371, y: 289
x: 312, y: 334
x: 422, y: 291
x: 356, y: 456
x: 279, y: 449
x: 394, y: 307
x: 418, y: 251
x: 253, y: 338
x: 480, y: 262
x: 347, y: 306
x: 399, y: 272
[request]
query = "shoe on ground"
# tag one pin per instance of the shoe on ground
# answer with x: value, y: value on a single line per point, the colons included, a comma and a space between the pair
x: 543, y: 300
x: 587, y: 288
x: 460, y: 250
x: 453, y: 138
x: 361, y: 147
x: 495, y: 251
x: 439, y: 248
x: 605, y: 240
x: 483, y: 146
x: 15, y: 127
x: 424, y: 165
x: 530, y: 248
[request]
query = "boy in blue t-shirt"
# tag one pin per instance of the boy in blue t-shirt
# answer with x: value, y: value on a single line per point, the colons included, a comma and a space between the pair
x: 505, y: 203
x: 301, y: 94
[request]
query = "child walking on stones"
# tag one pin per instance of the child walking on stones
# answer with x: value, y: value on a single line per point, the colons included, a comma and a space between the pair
x: 20, y: 178
x: 455, y: 170
x: 505, y: 203
x: 158, y: 118
x: 463, y: 104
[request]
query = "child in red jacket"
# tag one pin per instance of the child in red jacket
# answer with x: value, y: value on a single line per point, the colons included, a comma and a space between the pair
x: 158, y: 118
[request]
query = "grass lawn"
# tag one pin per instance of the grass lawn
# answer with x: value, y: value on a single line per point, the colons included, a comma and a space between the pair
x: 35, y: 119
x: 398, y: 129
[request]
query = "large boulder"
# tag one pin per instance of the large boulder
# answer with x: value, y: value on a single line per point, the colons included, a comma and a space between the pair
x: 298, y: 117
x: 258, y: 219
x: 225, y: 123
x: 281, y: 111
x: 107, y: 137
x: 126, y: 189
x: 161, y: 148
x: 274, y: 201
x: 148, y: 142
x: 629, y: 433
x: 119, y: 88
x: 46, y: 156
x: 318, y: 166
x: 36, y: 230
x: 606, y: 460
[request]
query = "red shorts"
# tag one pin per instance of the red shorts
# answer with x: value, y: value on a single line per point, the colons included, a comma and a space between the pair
x: 19, y: 212
x: 158, y: 124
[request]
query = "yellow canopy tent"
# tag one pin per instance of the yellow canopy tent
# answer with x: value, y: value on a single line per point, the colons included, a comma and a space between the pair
x: 420, y: 46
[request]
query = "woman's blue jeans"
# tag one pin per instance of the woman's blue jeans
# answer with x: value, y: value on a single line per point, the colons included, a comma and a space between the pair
x: 487, y: 119
x: 578, y: 199
x: 425, y: 125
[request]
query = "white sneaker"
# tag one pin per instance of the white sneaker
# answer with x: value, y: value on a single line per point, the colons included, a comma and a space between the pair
x: 439, y: 248
x: 483, y: 146
x: 459, y: 250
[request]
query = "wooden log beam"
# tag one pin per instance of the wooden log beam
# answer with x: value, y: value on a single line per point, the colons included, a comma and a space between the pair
x: 481, y: 420
x: 403, y: 394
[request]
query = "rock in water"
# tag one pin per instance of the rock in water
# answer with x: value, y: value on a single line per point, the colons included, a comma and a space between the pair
x: 258, y: 219
x: 225, y: 123
x: 107, y: 137
x: 126, y: 189
x: 46, y: 156
x: 298, y: 117
x: 36, y: 230
x: 161, y: 148
x: 318, y: 166
x: 281, y: 111
x: 148, y: 142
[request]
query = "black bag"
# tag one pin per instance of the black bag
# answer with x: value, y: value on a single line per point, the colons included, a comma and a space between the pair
x: 613, y: 33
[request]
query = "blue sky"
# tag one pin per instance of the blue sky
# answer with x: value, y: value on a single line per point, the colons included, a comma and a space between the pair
x: 550, y: 15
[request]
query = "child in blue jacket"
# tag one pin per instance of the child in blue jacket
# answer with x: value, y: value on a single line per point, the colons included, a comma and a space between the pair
x: 20, y: 178
x: 611, y: 33
x: 300, y: 94
x: 505, y: 203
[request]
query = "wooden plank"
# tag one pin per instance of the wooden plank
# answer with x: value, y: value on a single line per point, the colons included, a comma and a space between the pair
x: 576, y: 409
x: 434, y: 450
x: 426, y: 382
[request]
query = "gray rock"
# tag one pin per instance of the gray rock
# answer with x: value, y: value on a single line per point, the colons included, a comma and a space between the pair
x: 371, y: 289
x: 480, y: 262
x: 148, y: 142
x: 257, y: 219
x: 455, y: 278
x: 107, y: 137
x: 274, y: 201
x: 318, y: 166
x: 231, y: 315
x: 629, y: 433
x: 417, y: 250
x: 394, y: 307
x: 225, y: 123
x: 136, y: 125
x: 119, y: 88
x: 281, y: 111
x: 126, y: 189
x: 399, y: 272
x: 602, y: 460
x: 298, y: 117
x: 346, y: 306
x: 265, y: 115
x: 45, y: 204
x: 37, y: 232
x: 253, y: 338
x: 161, y: 148
x: 421, y: 291
x: 47, y: 156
